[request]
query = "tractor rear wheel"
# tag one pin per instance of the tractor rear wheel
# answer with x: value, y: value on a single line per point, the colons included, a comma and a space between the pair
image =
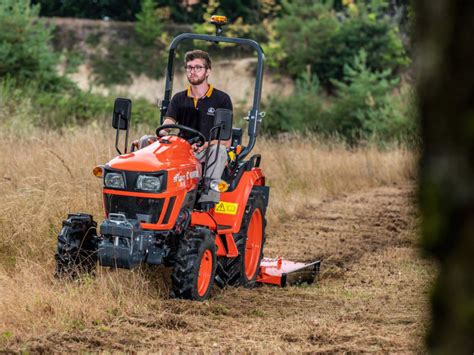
x: 77, y: 246
x: 250, y: 240
x: 195, y: 267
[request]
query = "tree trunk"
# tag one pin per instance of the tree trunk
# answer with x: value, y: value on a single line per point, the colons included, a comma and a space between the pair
x: 445, y: 65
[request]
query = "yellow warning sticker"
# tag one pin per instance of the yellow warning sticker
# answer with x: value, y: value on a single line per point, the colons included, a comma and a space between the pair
x: 226, y: 207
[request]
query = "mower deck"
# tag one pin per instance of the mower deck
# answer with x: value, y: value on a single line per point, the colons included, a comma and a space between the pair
x: 283, y: 272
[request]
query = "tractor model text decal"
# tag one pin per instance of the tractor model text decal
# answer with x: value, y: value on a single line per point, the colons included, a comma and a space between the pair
x: 179, y: 179
x: 227, y: 208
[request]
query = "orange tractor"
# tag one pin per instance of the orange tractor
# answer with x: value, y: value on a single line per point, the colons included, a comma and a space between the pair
x: 150, y: 197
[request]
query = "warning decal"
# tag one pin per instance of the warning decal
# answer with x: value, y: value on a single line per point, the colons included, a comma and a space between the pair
x: 226, y: 208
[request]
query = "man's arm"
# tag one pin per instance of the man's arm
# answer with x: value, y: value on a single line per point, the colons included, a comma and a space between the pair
x: 170, y: 117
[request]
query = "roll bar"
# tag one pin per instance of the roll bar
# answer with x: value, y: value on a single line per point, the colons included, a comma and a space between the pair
x: 254, y: 114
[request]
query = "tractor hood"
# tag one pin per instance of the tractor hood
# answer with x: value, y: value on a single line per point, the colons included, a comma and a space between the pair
x: 168, y: 153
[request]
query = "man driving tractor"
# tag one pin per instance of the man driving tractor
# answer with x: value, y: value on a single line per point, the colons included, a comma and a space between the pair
x: 195, y: 107
x: 150, y: 195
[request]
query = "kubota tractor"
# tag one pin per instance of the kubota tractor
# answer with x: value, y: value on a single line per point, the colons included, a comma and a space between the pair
x: 150, y: 197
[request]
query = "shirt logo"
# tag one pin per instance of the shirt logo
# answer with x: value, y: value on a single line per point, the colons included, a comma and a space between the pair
x: 211, y: 111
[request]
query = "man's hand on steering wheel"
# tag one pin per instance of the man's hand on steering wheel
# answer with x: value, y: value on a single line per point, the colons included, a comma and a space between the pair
x: 163, y: 133
x: 199, y: 149
x: 197, y: 137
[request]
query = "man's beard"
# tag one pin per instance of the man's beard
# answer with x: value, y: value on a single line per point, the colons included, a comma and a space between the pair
x: 196, y: 80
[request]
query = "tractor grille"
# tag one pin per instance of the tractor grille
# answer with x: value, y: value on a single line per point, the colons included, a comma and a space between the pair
x: 146, y: 210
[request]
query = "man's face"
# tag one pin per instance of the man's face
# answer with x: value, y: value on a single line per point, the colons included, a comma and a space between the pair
x: 198, y: 73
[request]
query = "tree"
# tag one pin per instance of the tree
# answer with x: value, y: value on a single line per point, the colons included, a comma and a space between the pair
x: 148, y: 26
x: 25, y: 54
x: 313, y: 34
x: 445, y: 87
x: 362, y: 104
x: 124, y: 10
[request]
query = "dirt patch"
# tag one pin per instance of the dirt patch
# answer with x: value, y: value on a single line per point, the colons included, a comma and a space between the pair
x: 340, y: 231
x: 371, y: 295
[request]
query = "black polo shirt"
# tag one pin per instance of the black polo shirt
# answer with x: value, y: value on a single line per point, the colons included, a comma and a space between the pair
x: 198, y: 114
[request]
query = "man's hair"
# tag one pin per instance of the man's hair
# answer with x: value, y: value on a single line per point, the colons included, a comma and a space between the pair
x: 198, y: 54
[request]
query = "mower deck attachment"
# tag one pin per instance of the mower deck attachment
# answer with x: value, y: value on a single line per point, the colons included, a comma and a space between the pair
x: 284, y: 272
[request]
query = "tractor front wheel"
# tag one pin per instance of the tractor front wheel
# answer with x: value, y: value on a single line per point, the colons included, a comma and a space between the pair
x: 77, y: 247
x: 195, y: 267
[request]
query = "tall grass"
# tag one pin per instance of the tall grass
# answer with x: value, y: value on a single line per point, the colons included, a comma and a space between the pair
x: 46, y: 174
x: 304, y: 171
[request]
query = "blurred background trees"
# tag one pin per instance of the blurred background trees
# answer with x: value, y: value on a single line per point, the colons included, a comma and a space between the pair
x: 121, y: 10
x: 349, y: 60
x: 185, y: 11
x: 313, y: 35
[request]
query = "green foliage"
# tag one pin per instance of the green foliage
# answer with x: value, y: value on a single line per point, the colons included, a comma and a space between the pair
x: 361, y: 107
x: 367, y: 107
x: 248, y: 23
x: 28, y: 105
x: 180, y: 13
x: 252, y: 11
x: 143, y: 53
x: 67, y: 108
x: 148, y: 26
x: 123, y: 10
x: 70, y: 60
x: 122, y: 61
x: 313, y: 34
x: 300, y: 112
x: 249, y: 11
x: 274, y: 53
x: 24, y: 44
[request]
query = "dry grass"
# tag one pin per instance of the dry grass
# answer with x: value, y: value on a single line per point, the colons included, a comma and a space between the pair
x: 45, y: 175
x: 302, y: 172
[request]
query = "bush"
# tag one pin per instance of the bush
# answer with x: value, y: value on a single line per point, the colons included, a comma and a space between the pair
x: 59, y: 110
x: 364, y: 106
x: 25, y: 54
x: 313, y: 34
x: 148, y: 26
x: 22, y: 106
x: 143, y: 53
x: 297, y: 113
x: 122, y: 61
x: 367, y: 107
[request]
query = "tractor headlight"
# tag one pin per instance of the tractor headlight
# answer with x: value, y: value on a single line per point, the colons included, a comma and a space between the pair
x: 114, y: 181
x: 149, y: 183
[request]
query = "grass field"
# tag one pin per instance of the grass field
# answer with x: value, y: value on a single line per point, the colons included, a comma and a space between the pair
x: 355, y: 209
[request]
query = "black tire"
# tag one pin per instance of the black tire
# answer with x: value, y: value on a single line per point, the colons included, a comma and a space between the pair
x: 232, y: 271
x: 196, y: 246
x: 77, y: 247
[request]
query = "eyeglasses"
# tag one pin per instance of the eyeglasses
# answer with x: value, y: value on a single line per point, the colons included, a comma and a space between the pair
x: 197, y: 68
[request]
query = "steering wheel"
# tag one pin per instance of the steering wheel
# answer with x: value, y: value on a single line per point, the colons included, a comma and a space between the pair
x: 197, y: 138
